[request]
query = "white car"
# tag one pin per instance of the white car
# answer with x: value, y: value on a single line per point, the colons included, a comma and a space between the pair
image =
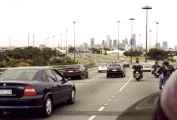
x: 147, y: 67
x: 102, y: 68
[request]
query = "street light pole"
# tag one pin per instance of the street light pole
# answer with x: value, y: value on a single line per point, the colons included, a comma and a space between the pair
x: 66, y: 41
x: 157, y: 23
x: 74, y: 22
x: 118, y: 27
x: 131, y: 35
x: 146, y: 8
x: 28, y: 38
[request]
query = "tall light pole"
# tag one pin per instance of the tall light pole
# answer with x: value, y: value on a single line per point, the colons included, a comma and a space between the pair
x: 74, y: 30
x: 131, y: 35
x: 150, y: 31
x: 28, y: 38
x: 33, y: 39
x: 66, y: 41
x: 146, y: 8
x: 61, y: 40
x: 118, y: 27
x: 157, y: 30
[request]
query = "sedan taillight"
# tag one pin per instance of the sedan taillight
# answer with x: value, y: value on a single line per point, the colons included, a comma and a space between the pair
x: 30, y: 91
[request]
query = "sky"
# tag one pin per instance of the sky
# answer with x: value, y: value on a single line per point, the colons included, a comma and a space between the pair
x: 49, y: 20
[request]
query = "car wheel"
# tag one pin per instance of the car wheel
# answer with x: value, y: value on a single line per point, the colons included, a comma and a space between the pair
x: 86, y: 76
x: 108, y: 76
x: 72, y: 97
x: 82, y: 77
x: 47, y: 107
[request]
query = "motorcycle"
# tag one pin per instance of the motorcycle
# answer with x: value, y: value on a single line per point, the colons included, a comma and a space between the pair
x: 156, y: 73
x: 137, y: 75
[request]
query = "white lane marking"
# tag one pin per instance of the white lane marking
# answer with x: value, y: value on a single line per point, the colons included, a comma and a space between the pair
x: 92, y: 117
x: 101, y: 108
x: 125, y: 84
x: 106, y: 104
x: 113, y: 97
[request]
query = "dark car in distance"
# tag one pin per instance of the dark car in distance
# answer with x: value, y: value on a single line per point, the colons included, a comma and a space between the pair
x: 77, y: 70
x: 34, y: 88
x: 115, y: 70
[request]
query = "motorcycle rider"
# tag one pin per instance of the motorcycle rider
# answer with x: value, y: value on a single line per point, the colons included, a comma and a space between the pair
x: 137, y: 67
x: 166, y: 105
x: 155, y: 67
x: 165, y: 71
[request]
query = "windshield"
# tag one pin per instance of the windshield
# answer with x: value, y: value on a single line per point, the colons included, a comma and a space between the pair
x: 18, y: 74
x: 72, y: 66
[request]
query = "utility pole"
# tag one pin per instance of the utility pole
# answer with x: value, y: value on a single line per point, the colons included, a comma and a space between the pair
x: 118, y: 28
x: 74, y: 23
x: 131, y: 35
x: 28, y: 38
x: 66, y: 41
x: 146, y: 8
x: 33, y: 39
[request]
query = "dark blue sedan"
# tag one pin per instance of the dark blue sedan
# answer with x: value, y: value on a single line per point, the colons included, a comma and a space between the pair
x: 39, y: 88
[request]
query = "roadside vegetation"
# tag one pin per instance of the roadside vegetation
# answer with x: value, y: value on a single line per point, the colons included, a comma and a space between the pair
x: 33, y: 56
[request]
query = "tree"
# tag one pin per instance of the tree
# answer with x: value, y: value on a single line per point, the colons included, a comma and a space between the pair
x: 96, y: 50
x: 133, y: 53
x: 71, y: 49
x: 157, y: 54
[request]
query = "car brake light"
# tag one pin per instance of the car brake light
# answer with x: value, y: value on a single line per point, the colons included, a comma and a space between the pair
x: 30, y: 91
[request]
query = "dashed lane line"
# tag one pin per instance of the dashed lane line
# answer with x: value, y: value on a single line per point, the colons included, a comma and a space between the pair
x: 101, y: 108
x: 120, y: 90
x: 92, y: 117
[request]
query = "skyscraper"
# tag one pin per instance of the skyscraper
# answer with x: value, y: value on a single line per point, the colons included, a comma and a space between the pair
x: 165, y: 45
x: 109, y: 42
x: 92, y: 43
x: 103, y: 44
x: 115, y: 44
x: 133, y: 41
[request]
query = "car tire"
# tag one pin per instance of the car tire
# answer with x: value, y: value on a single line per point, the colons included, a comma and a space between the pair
x: 82, y: 77
x: 72, y: 97
x: 86, y: 76
x: 47, y: 108
x: 108, y: 76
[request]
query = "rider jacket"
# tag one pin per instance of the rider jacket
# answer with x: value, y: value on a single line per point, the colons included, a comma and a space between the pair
x: 166, y: 70
x: 137, y: 67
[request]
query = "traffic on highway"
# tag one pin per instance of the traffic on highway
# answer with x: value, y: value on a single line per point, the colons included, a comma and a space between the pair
x: 45, y: 92
x: 88, y: 60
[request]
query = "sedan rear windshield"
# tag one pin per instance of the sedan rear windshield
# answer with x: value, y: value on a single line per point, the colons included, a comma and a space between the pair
x: 72, y: 66
x: 18, y: 74
x: 114, y: 65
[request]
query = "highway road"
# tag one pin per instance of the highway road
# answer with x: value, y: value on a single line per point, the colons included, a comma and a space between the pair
x: 99, y: 98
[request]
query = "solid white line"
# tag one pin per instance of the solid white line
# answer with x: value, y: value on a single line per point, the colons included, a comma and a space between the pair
x: 125, y: 84
x: 113, y: 96
x: 105, y: 104
x: 92, y: 117
x: 101, y: 109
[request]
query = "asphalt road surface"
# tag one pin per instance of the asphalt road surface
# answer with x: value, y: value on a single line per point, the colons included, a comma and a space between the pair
x: 99, y: 98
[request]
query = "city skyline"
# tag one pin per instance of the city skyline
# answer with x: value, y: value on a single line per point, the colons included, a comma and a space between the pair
x: 48, y: 20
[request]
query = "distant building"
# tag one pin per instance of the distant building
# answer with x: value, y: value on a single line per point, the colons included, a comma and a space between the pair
x: 165, y: 45
x: 125, y: 43
x: 92, y: 43
x: 103, y: 44
x: 109, y: 42
x: 41, y: 46
x: 176, y: 47
x: 133, y: 41
x: 158, y: 45
x: 115, y: 44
